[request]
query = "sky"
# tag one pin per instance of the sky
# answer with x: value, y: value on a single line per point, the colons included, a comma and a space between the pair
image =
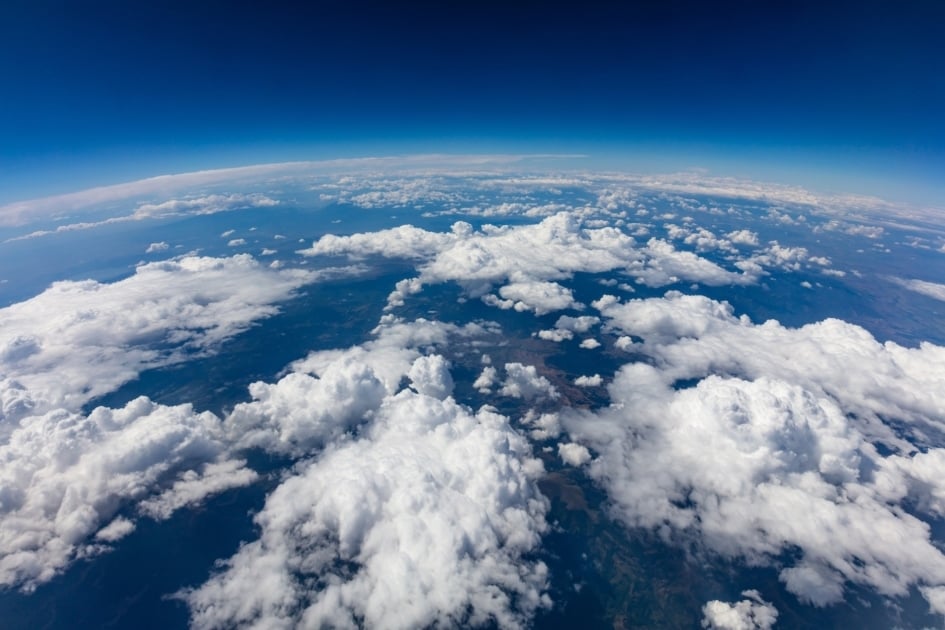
x: 842, y: 96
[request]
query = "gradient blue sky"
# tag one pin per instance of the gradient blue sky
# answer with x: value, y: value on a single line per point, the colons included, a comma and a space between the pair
x: 841, y: 96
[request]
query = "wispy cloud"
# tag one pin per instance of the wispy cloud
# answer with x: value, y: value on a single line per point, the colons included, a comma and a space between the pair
x: 23, y: 212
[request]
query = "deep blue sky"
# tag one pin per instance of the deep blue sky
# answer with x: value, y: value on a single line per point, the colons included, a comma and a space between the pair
x: 841, y: 93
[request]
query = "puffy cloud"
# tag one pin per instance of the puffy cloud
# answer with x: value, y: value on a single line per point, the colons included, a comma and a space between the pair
x: 743, y: 237
x: 543, y: 426
x: 752, y: 613
x: 301, y: 411
x: 566, y: 326
x: 555, y: 334
x: 423, y: 520
x: 574, y: 454
x: 778, y: 256
x: 540, y: 297
x: 663, y: 264
x: 526, y: 258
x: 63, y: 476
x: 577, y: 324
x: 486, y: 379
x: 523, y: 381
x: 236, y: 242
x: 692, y: 336
x: 430, y: 375
x: 157, y: 247
x: 405, y: 241
x: 590, y: 344
x: 331, y: 392
x: 772, y: 450
x: 79, y: 340
x: 589, y: 381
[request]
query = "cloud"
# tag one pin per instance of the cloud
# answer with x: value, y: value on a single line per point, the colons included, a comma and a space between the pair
x: 743, y: 237
x: 154, y: 248
x: 425, y: 519
x: 693, y: 336
x: 752, y: 613
x: 116, y: 530
x: 405, y: 241
x: 195, y: 485
x: 209, y: 204
x: 79, y: 340
x: 555, y: 334
x: 589, y: 381
x: 63, y: 476
x: 301, y: 412
x: 486, y: 379
x: 590, y: 344
x: 574, y: 454
x: 770, y: 457
x: 540, y: 297
x: 22, y: 212
x: 523, y: 381
x: 577, y: 324
x: 333, y: 392
x: 933, y: 290
x: 526, y: 259
x: 430, y: 376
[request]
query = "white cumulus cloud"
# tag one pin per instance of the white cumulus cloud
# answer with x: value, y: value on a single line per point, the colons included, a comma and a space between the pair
x: 751, y: 613
x: 773, y: 449
x: 423, y: 520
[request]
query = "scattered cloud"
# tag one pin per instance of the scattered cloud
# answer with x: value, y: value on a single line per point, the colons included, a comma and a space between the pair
x: 751, y: 613
x: 525, y: 259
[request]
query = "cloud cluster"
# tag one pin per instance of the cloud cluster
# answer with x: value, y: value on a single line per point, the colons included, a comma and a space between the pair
x: 538, y: 297
x: 63, y: 476
x: 751, y: 613
x: 524, y: 381
x: 79, y: 340
x: 771, y: 457
x: 525, y: 259
x: 425, y: 519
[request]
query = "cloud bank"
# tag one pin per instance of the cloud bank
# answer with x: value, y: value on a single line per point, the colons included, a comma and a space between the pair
x: 771, y: 456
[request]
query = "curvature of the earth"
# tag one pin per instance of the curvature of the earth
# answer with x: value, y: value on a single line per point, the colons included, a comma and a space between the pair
x: 464, y: 392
